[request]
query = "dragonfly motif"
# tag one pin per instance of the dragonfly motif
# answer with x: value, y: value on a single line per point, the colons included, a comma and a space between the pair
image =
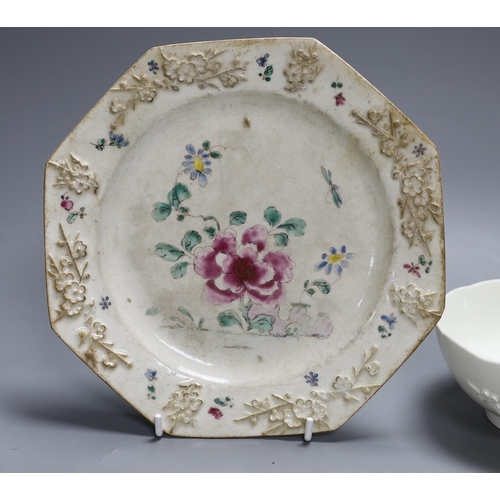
x: 334, y: 189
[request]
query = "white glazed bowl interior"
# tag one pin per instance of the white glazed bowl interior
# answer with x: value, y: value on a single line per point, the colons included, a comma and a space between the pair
x: 469, y: 337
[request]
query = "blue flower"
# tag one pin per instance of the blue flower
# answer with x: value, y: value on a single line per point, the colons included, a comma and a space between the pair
x: 197, y: 164
x: 117, y: 140
x: 312, y: 379
x: 153, y: 66
x: 419, y: 150
x: 151, y: 374
x: 105, y: 303
x: 390, y: 320
x: 334, y: 260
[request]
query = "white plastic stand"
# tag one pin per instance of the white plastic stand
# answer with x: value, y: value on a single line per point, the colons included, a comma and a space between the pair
x: 158, y: 426
x: 307, y: 433
x: 309, y: 429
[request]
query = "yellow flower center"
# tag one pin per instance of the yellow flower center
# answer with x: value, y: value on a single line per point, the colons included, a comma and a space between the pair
x: 336, y: 257
x: 198, y: 164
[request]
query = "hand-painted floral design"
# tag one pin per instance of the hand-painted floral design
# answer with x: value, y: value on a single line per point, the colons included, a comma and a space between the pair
x: 153, y: 66
x: 389, y: 321
x: 250, y: 270
x: 286, y: 413
x: 337, y: 85
x: 67, y: 204
x: 299, y: 322
x: 268, y: 68
x: 185, y: 403
x: 216, y: 413
x: 413, y: 269
x: 151, y: 376
x: 426, y: 264
x: 335, y: 260
x: 116, y: 140
x: 105, y: 303
x: 197, y: 163
x: 339, y: 99
x: 312, y: 379
x: 227, y: 401
x: 419, y: 150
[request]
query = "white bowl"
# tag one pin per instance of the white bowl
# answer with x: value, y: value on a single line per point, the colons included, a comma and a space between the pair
x: 469, y: 337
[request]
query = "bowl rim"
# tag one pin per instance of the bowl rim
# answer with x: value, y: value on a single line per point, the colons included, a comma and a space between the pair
x: 445, y: 331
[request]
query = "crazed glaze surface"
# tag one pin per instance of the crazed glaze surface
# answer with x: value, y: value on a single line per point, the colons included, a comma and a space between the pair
x: 242, y: 234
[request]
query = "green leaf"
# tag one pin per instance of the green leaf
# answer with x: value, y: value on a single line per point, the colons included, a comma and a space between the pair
x: 210, y: 231
x: 180, y: 217
x: 229, y: 318
x: 269, y: 70
x: 294, y: 226
x: 185, y: 312
x: 200, y: 323
x: 272, y: 216
x: 263, y: 323
x: 281, y: 239
x: 237, y: 218
x: 219, y: 402
x: 206, y: 145
x: 310, y: 291
x: 215, y: 154
x: 168, y: 252
x: 179, y: 270
x: 322, y: 286
x: 161, y: 211
x: 152, y: 311
x: 381, y: 328
x: 211, y: 217
x: 306, y: 283
x: 190, y: 240
x: 72, y: 217
x: 179, y: 193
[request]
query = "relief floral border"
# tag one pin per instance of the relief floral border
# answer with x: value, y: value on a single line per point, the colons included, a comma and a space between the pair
x: 287, y: 412
x: 68, y: 273
x: 202, y: 68
x: 418, y: 202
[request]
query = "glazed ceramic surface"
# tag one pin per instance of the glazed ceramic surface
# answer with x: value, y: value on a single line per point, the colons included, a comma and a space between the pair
x: 469, y: 337
x: 243, y: 234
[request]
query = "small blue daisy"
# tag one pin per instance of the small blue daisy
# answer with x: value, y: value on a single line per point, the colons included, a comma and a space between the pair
x: 105, y: 303
x: 335, y: 260
x: 312, y: 379
x: 197, y: 164
x: 153, y: 66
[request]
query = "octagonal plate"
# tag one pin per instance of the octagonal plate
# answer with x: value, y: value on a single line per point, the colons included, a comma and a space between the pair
x: 243, y: 234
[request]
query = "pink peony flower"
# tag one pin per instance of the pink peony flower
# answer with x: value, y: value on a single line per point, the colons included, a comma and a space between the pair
x: 232, y: 272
